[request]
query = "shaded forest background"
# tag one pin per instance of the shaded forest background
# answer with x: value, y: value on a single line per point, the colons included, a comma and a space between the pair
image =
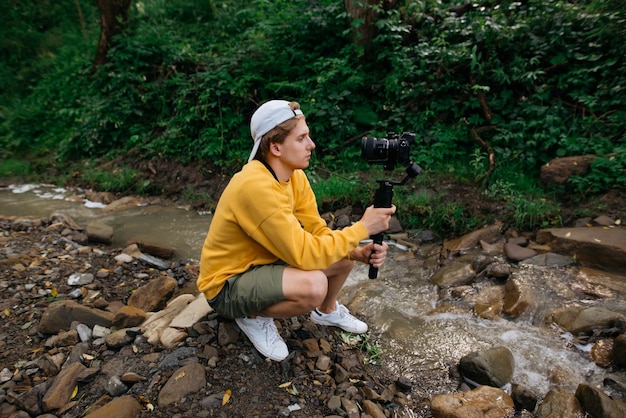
x: 493, y: 90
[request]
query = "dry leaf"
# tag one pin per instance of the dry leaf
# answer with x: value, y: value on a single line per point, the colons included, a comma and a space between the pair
x: 75, y: 392
x: 284, y: 385
x: 226, y: 397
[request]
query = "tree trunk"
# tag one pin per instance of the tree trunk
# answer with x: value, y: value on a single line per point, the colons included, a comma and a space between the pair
x: 365, y: 10
x: 113, y: 20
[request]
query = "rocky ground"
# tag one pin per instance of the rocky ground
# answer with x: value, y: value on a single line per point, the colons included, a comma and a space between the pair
x: 324, y: 374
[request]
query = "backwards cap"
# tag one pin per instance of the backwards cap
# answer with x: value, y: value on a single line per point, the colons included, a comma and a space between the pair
x: 267, y: 117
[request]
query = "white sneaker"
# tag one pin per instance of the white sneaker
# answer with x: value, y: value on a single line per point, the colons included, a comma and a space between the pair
x: 264, y: 336
x: 341, y: 318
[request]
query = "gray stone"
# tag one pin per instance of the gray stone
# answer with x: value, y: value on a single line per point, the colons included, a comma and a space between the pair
x: 60, y: 315
x: 188, y: 379
x: 493, y: 367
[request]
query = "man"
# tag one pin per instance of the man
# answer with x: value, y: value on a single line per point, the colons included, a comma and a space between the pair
x: 268, y: 253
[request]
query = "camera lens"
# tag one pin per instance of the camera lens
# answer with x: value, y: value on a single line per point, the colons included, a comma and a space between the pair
x: 375, y: 150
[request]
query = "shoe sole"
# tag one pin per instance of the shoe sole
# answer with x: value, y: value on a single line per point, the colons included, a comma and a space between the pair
x: 245, y: 331
x: 318, y: 322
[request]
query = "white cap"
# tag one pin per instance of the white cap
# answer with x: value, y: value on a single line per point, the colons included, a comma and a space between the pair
x: 267, y: 117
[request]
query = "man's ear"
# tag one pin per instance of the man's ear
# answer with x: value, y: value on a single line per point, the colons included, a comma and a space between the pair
x: 275, y: 149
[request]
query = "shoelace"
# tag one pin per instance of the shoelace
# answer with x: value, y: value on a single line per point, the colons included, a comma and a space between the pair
x: 271, y: 332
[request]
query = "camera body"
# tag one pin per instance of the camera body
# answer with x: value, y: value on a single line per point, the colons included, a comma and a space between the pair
x: 394, y: 149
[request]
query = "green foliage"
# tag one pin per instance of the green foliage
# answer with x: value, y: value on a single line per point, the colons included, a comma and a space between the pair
x: 533, y: 80
x: 14, y: 168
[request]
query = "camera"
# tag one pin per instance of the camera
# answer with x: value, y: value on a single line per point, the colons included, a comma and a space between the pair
x: 388, y: 151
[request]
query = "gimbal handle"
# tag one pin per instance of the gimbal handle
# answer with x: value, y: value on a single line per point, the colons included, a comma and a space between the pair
x: 382, y: 199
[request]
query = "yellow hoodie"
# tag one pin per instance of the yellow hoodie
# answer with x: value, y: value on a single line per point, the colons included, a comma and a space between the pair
x: 260, y: 220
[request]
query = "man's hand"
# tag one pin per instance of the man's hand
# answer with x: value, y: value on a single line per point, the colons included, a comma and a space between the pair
x: 377, y: 220
x: 373, y: 254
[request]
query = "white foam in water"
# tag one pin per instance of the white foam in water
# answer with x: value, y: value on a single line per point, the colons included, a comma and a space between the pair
x: 93, y: 205
x: 22, y: 188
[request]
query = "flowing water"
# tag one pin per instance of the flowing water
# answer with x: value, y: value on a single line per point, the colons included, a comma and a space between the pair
x: 400, y: 305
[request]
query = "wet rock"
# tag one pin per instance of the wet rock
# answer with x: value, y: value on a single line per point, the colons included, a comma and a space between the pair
x: 559, y: 403
x: 518, y: 297
x: 580, y: 320
x: 484, y: 401
x: 456, y: 274
x: 599, y: 404
x: 524, y: 398
x: 549, y: 260
x: 493, y: 367
x: 516, y: 252
x: 498, y: 270
x: 602, y: 352
x: 619, y: 351
x: 60, y: 315
x: 188, y: 379
x: 617, y: 385
x: 471, y: 240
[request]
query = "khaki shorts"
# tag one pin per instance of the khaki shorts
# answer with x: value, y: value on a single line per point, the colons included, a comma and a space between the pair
x: 250, y: 292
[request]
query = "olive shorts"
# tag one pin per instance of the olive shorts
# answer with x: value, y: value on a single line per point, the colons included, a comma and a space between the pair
x: 250, y: 292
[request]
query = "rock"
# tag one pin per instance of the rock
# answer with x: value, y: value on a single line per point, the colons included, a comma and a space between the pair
x: 598, y: 404
x: 471, y: 240
x: 619, y: 351
x: 493, y: 367
x: 516, y: 252
x: 60, y: 392
x: 154, y: 295
x: 192, y: 313
x: 524, y: 398
x: 115, y: 386
x: 549, y: 260
x: 596, y: 246
x: 154, y: 261
x: 188, y: 379
x: 559, y: 403
x: 602, y: 352
x: 122, y: 407
x: 80, y: 279
x: 155, y: 249
x: 580, y: 320
x: 518, y: 297
x: 456, y: 274
x: 560, y: 169
x: 118, y: 339
x: 60, y: 315
x: 99, y: 232
x: 484, y: 401
x: 128, y: 317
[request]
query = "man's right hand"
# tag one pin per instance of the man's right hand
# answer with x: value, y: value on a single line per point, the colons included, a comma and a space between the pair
x: 377, y: 220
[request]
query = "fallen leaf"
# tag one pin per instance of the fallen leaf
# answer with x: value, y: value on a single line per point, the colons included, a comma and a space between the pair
x: 284, y: 385
x: 7, y: 312
x: 75, y: 392
x: 226, y: 397
x: 54, y: 292
x: 27, y: 325
x: 88, y: 357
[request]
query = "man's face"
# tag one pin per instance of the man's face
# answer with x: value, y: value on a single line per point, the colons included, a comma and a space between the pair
x: 295, y: 151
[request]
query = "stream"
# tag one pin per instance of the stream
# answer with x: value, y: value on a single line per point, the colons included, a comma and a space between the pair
x: 415, y: 337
